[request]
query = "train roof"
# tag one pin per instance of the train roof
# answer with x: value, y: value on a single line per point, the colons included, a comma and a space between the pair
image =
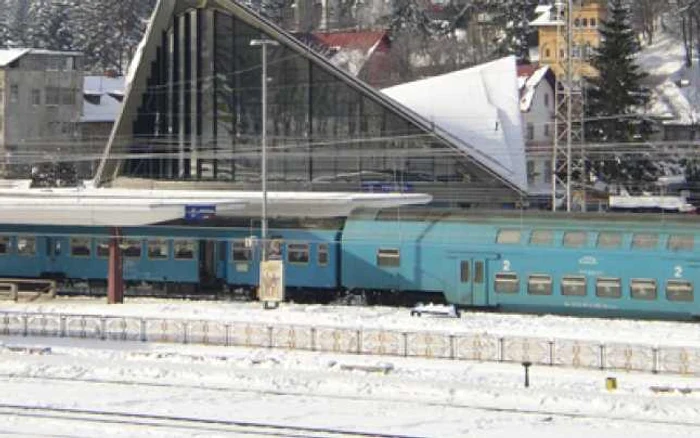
x: 531, y: 217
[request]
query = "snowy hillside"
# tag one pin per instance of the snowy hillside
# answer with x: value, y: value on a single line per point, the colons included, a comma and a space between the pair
x: 675, y: 97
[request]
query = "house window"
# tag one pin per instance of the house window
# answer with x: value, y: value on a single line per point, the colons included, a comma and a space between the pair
x: 547, y: 53
x: 546, y: 100
x: 67, y: 96
x: 53, y: 95
x: 546, y: 129
x: 14, y: 93
x: 592, y: 22
x: 36, y: 97
x: 530, y: 172
x: 584, y: 22
x: 530, y: 131
x: 548, y: 171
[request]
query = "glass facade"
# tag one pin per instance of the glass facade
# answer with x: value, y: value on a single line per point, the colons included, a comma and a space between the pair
x: 199, y: 119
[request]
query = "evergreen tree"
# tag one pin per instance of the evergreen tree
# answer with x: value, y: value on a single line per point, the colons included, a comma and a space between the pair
x: 614, y: 98
x: 5, y: 21
x: 51, y: 25
x: 515, y: 17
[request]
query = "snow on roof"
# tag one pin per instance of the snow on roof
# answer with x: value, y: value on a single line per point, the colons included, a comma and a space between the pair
x: 8, y: 56
x: 479, y: 108
x: 546, y: 16
x: 352, y: 49
x: 664, y: 62
x: 529, y: 85
x: 107, y: 89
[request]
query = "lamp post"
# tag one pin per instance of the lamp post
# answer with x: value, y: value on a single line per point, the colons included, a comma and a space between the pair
x: 263, y: 229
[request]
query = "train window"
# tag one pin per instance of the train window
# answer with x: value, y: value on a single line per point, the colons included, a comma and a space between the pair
x: 507, y: 283
x: 645, y: 241
x: 183, y: 249
x: 542, y: 237
x: 103, y: 248
x: 4, y: 245
x: 26, y: 246
x: 80, y: 247
x: 680, y: 242
x: 608, y: 288
x: 539, y: 285
x: 131, y: 248
x: 323, y: 254
x: 679, y: 290
x: 298, y: 253
x: 158, y: 249
x: 573, y: 286
x: 575, y: 239
x: 643, y: 289
x: 389, y: 258
x: 464, y: 275
x: 609, y: 239
x: 478, y: 272
x: 240, y: 252
x: 508, y: 236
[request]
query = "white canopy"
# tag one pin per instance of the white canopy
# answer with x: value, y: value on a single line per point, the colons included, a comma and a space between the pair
x: 133, y: 207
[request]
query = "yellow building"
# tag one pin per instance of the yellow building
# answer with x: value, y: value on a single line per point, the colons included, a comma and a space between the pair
x: 587, y: 16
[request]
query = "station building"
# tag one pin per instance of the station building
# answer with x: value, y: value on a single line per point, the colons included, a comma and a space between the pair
x: 192, y: 117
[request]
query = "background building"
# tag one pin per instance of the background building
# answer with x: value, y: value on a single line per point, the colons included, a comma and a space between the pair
x: 587, y: 15
x: 536, y: 86
x: 193, y: 112
x: 40, y: 106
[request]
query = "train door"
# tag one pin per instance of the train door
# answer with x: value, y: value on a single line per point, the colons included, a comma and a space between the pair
x: 207, y: 262
x: 472, y: 282
x: 54, y: 252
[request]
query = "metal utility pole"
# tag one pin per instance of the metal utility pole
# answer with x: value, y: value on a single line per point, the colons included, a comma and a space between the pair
x: 263, y: 228
x: 569, y: 109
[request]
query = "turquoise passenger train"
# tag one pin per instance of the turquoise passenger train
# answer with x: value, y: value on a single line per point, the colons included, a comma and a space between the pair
x: 617, y: 265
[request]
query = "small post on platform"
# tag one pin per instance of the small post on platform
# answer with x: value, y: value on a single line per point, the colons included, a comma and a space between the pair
x: 527, y: 365
x: 115, y: 279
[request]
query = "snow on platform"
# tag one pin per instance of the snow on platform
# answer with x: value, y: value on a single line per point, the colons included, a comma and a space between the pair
x: 479, y: 109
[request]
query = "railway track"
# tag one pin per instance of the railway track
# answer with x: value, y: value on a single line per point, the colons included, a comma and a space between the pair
x: 182, y: 423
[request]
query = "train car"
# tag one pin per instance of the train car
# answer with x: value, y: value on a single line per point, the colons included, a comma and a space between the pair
x: 176, y: 259
x: 612, y: 265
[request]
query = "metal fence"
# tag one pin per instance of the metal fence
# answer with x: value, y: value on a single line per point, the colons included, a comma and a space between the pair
x: 423, y: 344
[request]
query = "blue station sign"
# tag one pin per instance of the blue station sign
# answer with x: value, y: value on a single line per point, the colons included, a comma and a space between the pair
x: 199, y: 212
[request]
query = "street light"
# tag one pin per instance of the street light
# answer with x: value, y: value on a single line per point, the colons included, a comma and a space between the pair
x: 263, y: 231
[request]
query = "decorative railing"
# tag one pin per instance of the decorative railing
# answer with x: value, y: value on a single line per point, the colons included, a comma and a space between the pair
x: 584, y: 354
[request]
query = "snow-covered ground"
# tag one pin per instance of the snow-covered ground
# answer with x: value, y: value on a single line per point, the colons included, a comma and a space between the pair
x: 674, y: 87
x: 309, y: 390
x: 214, y: 386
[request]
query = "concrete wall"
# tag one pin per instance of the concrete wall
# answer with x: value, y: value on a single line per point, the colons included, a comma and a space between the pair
x: 42, y: 115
